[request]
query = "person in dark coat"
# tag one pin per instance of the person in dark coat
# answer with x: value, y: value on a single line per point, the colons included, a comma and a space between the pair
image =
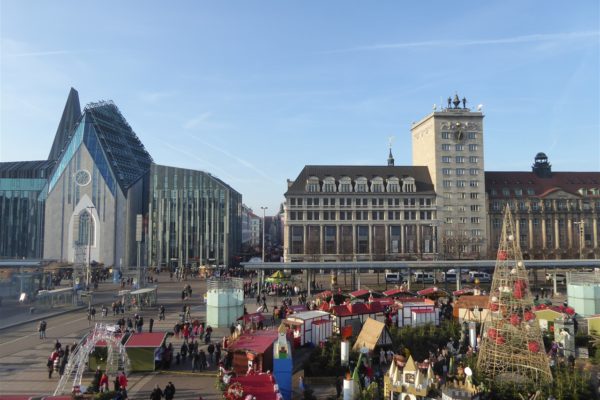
x: 156, y: 394
x: 169, y: 391
x: 150, y: 325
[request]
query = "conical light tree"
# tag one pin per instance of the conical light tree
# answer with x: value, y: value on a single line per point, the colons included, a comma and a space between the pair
x: 512, y: 348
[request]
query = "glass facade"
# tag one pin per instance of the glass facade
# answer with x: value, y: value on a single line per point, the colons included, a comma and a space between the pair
x: 21, y: 217
x: 194, y: 218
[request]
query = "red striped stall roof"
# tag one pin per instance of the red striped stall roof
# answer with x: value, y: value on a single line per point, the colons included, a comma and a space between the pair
x: 257, y: 342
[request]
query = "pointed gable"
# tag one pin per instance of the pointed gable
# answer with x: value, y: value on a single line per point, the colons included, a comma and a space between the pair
x: 68, y: 121
x: 410, y: 365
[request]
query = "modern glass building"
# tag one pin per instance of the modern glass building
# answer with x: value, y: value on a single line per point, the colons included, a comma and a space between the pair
x: 194, y: 218
x: 82, y: 204
x: 22, y: 202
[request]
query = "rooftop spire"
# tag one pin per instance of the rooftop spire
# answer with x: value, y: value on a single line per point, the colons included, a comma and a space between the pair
x: 70, y: 116
x: 390, y: 156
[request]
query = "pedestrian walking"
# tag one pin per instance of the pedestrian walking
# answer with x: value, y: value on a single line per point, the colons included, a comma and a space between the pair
x: 169, y: 391
x: 42, y: 329
x: 156, y: 394
x: 50, y: 365
x: 211, y: 351
x: 150, y: 325
x: 161, y: 315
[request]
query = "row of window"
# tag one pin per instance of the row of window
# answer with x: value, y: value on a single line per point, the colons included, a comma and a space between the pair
x: 461, y: 195
x: 460, y: 159
x: 459, y: 147
x: 536, y: 222
x: 359, y: 215
x: 463, y: 220
x: 361, y: 185
x: 552, y: 205
x: 460, y: 171
x: 359, y: 202
x: 450, y: 135
x: 465, y: 233
x: 459, y: 183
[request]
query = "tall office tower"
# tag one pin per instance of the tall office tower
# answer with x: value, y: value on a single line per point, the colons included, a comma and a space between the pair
x: 449, y: 141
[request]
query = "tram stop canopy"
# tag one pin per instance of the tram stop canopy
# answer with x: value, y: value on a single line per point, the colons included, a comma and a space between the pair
x: 145, y: 297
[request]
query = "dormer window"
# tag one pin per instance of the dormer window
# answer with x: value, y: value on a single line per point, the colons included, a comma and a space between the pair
x: 345, y: 184
x: 312, y: 184
x: 377, y: 185
x: 361, y: 185
x: 393, y: 185
x: 408, y: 185
x: 329, y: 184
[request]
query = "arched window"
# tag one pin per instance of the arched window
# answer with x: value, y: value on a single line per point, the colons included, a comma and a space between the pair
x: 86, y: 228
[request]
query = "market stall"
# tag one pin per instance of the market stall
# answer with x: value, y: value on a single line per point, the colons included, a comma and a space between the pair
x: 302, y: 325
x: 141, y: 348
x: 252, y: 351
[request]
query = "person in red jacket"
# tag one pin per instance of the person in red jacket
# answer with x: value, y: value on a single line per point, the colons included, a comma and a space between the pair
x: 103, y: 384
x: 122, y: 380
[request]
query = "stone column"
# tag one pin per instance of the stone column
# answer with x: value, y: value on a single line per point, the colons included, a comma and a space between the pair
x: 544, y: 244
x: 595, y: 231
x: 530, y: 232
x: 569, y: 232
x: 556, y: 231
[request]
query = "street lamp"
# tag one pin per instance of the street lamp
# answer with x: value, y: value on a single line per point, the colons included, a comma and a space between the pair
x: 263, y: 233
x: 89, y: 243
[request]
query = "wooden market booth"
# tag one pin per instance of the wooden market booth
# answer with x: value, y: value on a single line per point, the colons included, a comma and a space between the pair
x: 252, y: 351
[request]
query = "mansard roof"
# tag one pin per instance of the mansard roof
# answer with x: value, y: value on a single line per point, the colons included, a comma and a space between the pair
x: 570, y: 182
x: 421, y: 175
x: 68, y: 121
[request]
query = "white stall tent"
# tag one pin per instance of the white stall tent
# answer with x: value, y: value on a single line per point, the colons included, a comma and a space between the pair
x: 303, y: 323
x: 321, y: 331
x: 424, y: 316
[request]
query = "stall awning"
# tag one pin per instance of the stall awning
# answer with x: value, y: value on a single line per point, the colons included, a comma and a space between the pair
x: 433, y: 292
x: 256, y: 342
x: 359, y: 293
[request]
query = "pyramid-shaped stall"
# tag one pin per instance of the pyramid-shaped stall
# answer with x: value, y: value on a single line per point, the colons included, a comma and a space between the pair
x: 512, y: 349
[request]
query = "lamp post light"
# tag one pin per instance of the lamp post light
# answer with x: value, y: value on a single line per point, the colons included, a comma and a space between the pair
x: 263, y: 233
x: 262, y: 272
x: 89, y: 243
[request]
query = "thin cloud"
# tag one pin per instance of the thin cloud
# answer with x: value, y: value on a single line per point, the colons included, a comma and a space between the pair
x: 196, y: 121
x: 240, y: 160
x: 155, y: 97
x: 534, y: 38
x: 40, y: 53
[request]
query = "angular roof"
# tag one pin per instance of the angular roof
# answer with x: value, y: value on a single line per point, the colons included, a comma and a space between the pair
x: 419, y: 173
x: 346, y: 310
x: 124, y: 151
x: 70, y: 117
x: 373, y: 333
x: 570, y: 182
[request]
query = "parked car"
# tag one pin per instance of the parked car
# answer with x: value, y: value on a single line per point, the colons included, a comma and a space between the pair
x: 394, y: 277
x: 483, y: 277
x: 423, y: 277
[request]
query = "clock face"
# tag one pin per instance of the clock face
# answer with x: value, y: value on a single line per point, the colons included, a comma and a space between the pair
x: 82, y: 177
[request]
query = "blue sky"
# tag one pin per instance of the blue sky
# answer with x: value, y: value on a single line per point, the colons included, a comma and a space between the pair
x: 251, y: 91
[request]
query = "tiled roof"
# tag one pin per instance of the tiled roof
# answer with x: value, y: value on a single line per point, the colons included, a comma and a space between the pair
x: 420, y: 174
x: 570, y: 182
